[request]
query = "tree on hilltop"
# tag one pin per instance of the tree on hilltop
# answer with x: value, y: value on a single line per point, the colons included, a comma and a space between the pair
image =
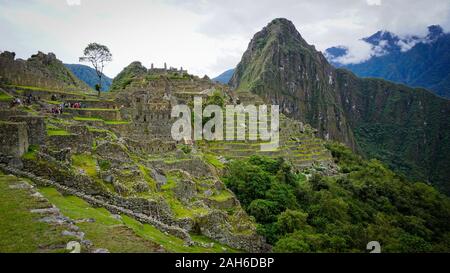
x: 98, y: 55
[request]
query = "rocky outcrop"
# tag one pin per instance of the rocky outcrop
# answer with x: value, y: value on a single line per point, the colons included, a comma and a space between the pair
x: 40, y: 70
x: 215, y: 225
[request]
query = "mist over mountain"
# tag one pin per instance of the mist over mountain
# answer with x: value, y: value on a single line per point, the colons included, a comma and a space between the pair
x: 412, y: 60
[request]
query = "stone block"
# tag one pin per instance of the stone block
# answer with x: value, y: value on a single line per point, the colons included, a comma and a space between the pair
x: 35, y: 127
x: 13, y: 138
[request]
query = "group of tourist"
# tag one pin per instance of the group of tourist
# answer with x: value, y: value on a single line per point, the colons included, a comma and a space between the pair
x: 74, y: 105
x: 29, y: 99
x: 15, y: 102
x: 57, y: 110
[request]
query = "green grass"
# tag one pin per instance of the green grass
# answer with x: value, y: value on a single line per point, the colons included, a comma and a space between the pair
x: 87, y: 119
x: 19, y: 229
x: 212, y: 159
x: 85, y: 162
x: 172, y: 243
x: 122, y: 235
x: 179, y: 210
x: 60, y: 132
x: 31, y: 153
x: 116, y: 122
x: 150, y: 181
x: 222, y: 196
x: 106, y: 232
x: 5, y: 97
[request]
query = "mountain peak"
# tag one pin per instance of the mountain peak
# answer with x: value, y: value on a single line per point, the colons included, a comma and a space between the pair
x: 281, y: 25
x: 279, y: 61
x: 434, y: 31
x: 281, y: 22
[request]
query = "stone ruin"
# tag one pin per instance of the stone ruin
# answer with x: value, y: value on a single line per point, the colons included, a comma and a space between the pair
x: 13, y: 138
x: 35, y: 128
x: 19, y: 130
x: 38, y: 71
x: 165, y: 70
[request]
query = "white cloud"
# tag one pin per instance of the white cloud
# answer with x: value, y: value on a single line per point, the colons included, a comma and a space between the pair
x: 407, y: 44
x: 206, y: 37
x: 373, y: 2
x: 358, y: 51
x: 73, y: 2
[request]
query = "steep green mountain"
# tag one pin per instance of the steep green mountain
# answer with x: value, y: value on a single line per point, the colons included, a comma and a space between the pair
x: 225, y: 76
x: 409, y: 129
x: 418, y: 62
x: 40, y: 70
x: 89, y: 76
x: 127, y: 75
x: 283, y: 69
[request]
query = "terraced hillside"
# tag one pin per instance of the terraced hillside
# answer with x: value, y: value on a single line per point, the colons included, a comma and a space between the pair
x: 116, y: 152
x: 297, y: 143
x: 100, y: 153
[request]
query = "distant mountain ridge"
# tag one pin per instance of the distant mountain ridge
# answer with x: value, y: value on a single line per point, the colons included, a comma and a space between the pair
x: 89, y: 76
x: 413, y: 60
x: 225, y: 77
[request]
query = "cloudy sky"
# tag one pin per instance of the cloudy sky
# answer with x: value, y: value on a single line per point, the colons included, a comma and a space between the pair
x: 204, y: 36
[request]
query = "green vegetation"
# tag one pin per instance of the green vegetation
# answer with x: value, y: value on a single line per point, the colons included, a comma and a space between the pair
x: 4, y: 96
x: 58, y: 133
x: 342, y: 213
x: 20, y: 229
x: 127, y: 75
x: 177, y: 207
x: 31, y: 153
x: 96, y: 119
x: 150, y: 181
x: 186, y: 149
x: 85, y: 162
x: 116, y: 122
x: 212, y: 159
x: 87, y: 119
x: 53, y: 130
